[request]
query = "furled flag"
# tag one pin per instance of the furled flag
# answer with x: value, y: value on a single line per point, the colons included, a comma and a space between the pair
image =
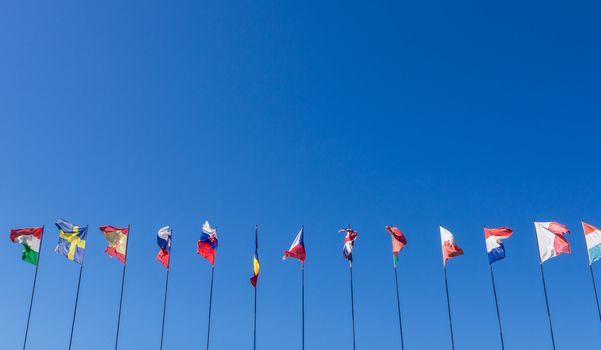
x: 256, y: 264
x: 30, y: 238
x: 207, y: 244
x: 398, y: 242
x: 449, y: 248
x: 349, y: 242
x: 592, y: 235
x: 71, y: 241
x: 164, y: 241
x: 551, y: 241
x: 117, y: 240
x: 494, y: 245
x: 297, y: 249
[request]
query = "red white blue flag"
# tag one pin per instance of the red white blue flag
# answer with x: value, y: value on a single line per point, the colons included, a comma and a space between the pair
x: 164, y: 242
x: 207, y: 244
x: 494, y: 245
x: 349, y: 242
x: 297, y: 249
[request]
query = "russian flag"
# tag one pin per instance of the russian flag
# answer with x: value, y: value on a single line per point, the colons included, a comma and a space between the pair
x: 494, y: 246
x: 164, y: 242
x: 592, y: 235
x: 207, y: 244
x: 297, y: 249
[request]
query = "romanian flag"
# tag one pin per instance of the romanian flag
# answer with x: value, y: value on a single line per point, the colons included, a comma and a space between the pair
x: 117, y: 240
x: 256, y: 264
x: 71, y: 241
x: 30, y: 238
x: 207, y: 244
x: 398, y: 242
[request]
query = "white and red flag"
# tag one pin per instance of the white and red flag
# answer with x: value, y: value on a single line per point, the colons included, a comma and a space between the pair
x: 449, y: 248
x: 551, y: 240
x: 297, y: 249
x: 349, y: 242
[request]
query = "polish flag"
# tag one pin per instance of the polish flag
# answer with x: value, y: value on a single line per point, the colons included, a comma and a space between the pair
x: 297, y: 249
x: 449, y: 248
x: 551, y: 240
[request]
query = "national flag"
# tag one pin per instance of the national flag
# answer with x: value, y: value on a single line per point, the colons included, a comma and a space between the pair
x: 349, y: 242
x: 449, y: 248
x: 592, y: 235
x: 164, y: 242
x: 117, y: 240
x: 551, y: 240
x: 398, y: 242
x: 297, y: 249
x: 256, y: 264
x: 494, y: 245
x: 207, y: 244
x: 71, y: 241
x: 30, y: 238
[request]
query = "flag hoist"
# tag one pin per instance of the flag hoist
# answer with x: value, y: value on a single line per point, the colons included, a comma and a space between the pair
x: 449, y: 250
x: 207, y: 248
x: 347, y: 250
x: 297, y: 251
x: 398, y: 243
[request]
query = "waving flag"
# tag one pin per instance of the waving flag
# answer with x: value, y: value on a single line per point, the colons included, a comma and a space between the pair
x: 117, y: 240
x: 71, y: 241
x: 592, y: 235
x: 30, y: 238
x: 207, y: 244
x: 449, y: 248
x: 494, y: 245
x: 256, y: 264
x: 164, y: 242
x: 297, y: 249
x: 551, y: 240
x: 349, y: 242
x: 398, y: 242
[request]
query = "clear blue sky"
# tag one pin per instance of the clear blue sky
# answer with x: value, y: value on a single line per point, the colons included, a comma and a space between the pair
x: 154, y: 113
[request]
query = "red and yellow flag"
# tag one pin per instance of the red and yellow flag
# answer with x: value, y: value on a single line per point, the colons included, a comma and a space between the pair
x: 117, y: 240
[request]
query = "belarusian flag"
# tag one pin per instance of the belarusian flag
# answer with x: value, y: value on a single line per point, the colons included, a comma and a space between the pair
x: 30, y: 238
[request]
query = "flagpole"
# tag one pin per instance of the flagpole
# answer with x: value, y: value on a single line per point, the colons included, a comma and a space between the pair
x: 542, y: 273
x: 76, y: 302
x: 352, y: 301
x: 446, y: 284
x: 494, y: 288
x: 210, y: 306
x: 166, y: 285
x: 398, y: 306
x: 256, y: 286
x: 122, y: 285
x: 35, y: 278
x: 595, y: 290
x: 302, y: 306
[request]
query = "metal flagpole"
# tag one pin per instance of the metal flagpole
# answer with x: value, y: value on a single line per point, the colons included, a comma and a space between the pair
x: 35, y: 278
x: 398, y: 306
x: 76, y: 302
x: 446, y: 284
x: 595, y: 289
x: 166, y: 285
x: 494, y: 288
x: 302, y: 306
x: 542, y: 273
x: 256, y: 286
x: 352, y: 301
x: 122, y: 285
x: 210, y: 306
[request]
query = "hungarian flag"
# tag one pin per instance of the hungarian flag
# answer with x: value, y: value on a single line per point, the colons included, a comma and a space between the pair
x: 449, y: 248
x: 494, y: 245
x: 164, y: 242
x: 297, y: 249
x: 30, y: 238
x: 349, y: 242
x: 117, y: 240
x: 398, y: 242
x: 207, y: 244
x: 592, y: 235
x: 551, y: 240
x: 256, y: 264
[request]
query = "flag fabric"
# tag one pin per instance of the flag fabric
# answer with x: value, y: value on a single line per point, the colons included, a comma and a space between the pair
x: 297, y: 249
x: 551, y: 240
x: 349, y: 242
x: 71, y: 241
x: 256, y: 263
x: 164, y: 242
x: 494, y: 245
x: 207, y: 244
x: 592, y: 235
x: 117, y: 240
x: 449, y: 248
x: 30, y: 238
x: 398, y: 242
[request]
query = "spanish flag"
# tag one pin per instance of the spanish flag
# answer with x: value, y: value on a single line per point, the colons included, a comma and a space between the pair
x: 256, y: 264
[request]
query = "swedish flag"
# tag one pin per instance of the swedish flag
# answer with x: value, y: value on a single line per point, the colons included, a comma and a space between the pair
x: 71, y: 241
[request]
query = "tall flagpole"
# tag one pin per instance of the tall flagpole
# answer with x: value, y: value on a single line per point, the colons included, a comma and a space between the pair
x: 256, y: 286
x: 590, y: 266
x: 122, y: 285
x: 542, y: 273
x: 210, y: 306
x: 165, y: 300
x: 350, y: 264
x: 446, y: 284
x: 398, y: 305
x: 494, y: 288
x: 35, y: 278
x: 76, y: 302
x: 303, y: 300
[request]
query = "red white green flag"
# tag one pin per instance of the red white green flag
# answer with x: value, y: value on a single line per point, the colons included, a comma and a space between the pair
x: 117, y: 240
x: 30, y: 238
x: 398, y: 242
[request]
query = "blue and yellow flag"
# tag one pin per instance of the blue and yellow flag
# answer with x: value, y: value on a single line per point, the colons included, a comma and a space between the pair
x: 71, y: 241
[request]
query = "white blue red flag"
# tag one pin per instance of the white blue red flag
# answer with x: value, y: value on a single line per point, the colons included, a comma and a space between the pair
x: 349, y: 242
x: 297, y: 249
x: 494, y: 245
x: 164, y: 242
x: 207, y: 244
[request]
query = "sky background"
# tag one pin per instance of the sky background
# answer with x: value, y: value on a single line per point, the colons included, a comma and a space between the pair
x: 282, y: 113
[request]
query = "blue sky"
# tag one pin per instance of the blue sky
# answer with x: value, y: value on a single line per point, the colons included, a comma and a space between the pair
x: 281, y: 114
